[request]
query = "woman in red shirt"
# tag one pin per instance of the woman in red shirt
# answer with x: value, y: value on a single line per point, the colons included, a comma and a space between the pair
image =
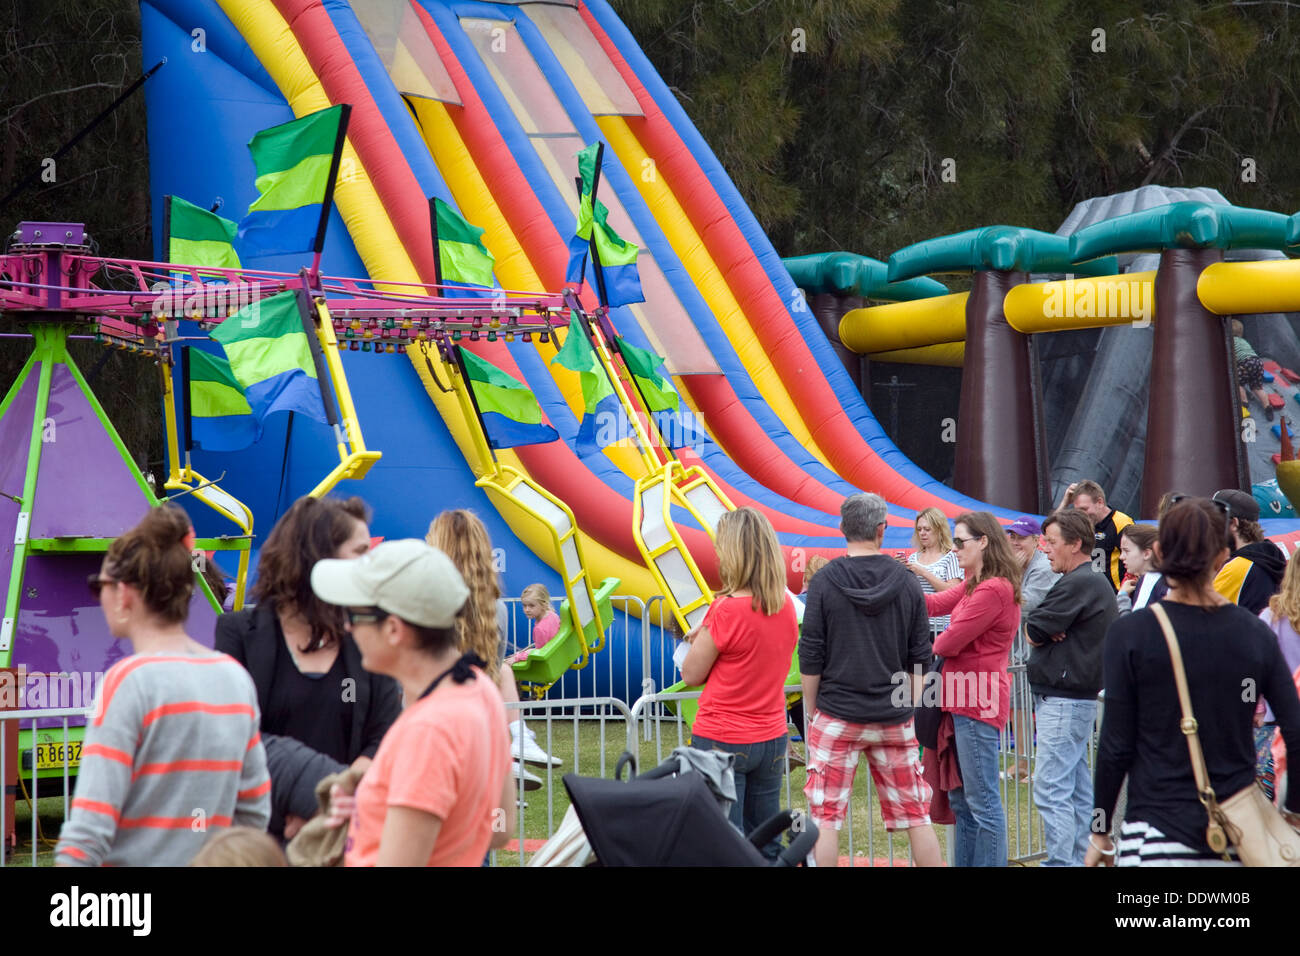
x: 743, y: 648
x: 976, y: 685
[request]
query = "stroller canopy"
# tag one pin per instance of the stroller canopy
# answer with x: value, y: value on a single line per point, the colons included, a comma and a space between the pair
x: 670, y: 821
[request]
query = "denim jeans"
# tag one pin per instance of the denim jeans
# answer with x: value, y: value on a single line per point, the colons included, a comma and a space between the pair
x: 759, y: 769
x: 1062, y: 783
x: 981, y: 837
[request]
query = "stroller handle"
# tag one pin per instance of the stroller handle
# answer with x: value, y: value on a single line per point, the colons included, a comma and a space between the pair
x: 668, y: 768
x: 796, y: 822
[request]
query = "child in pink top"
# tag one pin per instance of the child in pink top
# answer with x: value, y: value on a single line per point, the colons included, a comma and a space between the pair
x: 546, y: 623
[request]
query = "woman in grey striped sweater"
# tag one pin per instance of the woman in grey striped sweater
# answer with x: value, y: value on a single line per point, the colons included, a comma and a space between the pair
x: 173, y: 747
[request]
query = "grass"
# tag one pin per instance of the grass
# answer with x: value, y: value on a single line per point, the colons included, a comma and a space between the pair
x: 49, y: 817
x: 862, y: 840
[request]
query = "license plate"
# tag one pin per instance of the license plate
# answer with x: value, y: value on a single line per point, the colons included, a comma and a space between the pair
x: 53, y: 756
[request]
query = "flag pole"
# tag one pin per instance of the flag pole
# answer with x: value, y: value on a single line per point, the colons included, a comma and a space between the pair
x: 307, y: 312
x: 167, y: 229
x: 319, y: 245
x: 185, y: 402
x: 437, y: 254
x: 601, y: 295
x: 186, y: 423
x: 458, y: 359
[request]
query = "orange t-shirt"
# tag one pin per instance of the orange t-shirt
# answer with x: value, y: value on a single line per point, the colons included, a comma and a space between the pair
x: 448, y: 755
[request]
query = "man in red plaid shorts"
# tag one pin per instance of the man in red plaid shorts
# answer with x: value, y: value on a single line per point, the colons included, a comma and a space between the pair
x: 864, y: 623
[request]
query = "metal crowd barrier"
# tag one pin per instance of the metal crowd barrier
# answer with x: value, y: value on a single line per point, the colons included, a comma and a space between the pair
x: 27, y: 788
x: 573, y: 714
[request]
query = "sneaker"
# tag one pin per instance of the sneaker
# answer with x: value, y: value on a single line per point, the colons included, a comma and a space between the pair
x: 520, y: 772
x: 525, y: 748
x: 1268, y: 412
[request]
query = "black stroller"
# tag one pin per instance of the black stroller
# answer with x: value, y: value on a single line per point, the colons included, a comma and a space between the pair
x: 667, y: 818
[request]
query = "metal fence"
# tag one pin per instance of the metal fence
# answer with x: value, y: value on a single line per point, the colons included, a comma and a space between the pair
x: 22, y: 782
x: 627, y: 667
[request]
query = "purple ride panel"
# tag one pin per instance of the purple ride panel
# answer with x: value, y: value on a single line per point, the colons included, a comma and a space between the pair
x: 85, y: 489
x: 15, y: 438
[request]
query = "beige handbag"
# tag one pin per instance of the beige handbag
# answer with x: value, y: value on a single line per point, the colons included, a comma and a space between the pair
x: 1247, y: 820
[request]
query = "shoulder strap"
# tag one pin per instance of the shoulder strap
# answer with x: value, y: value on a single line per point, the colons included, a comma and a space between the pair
x: 1188, y: 723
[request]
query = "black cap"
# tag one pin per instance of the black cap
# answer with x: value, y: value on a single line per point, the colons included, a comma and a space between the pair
x: 1240, y: 505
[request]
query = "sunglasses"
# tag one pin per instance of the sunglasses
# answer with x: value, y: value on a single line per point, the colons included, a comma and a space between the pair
x: 96, y: 583
x: 959, y: 543
x: 364, y: 615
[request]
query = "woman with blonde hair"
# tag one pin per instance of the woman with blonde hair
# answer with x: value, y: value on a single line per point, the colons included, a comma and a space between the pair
x: 463, y: 537
x: 536, y: 601
x: 1282, y: 615
x: 743, y: 649
x: 934, y: 560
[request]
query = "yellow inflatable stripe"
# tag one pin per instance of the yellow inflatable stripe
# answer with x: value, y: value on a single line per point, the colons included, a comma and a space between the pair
x: 688, y: 246
x: 1238, y: 288
x: 905, y: 325
x: 513, y: 268
x: 275, y: 46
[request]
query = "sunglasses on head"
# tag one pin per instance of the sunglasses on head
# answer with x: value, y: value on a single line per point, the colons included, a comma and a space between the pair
x: 1223, y: 506
x: 364, y: 615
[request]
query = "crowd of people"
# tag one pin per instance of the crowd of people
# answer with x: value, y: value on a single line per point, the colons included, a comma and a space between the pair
x: 1083, y: 607
x: 357, y: 709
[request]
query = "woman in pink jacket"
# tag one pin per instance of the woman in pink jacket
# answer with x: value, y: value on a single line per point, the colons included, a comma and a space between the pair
x: 985, y: 614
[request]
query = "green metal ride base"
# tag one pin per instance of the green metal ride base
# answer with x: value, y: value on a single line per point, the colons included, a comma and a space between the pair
x: 79, y: 484
x: 50, y: 351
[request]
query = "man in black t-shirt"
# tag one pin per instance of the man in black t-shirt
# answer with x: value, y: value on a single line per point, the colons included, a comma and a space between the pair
x: 1107, y: 524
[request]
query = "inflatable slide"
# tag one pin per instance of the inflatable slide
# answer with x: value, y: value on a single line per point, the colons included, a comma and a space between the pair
x: 485, y: 106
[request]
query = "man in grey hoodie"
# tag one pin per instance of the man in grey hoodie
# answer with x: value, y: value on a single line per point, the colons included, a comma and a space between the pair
x: 865, y: 629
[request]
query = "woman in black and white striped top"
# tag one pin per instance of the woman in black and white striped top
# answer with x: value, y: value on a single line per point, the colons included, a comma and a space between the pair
x: 934, y: 560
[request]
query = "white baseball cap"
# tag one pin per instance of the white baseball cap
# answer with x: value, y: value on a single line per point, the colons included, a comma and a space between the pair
x: 407, y: 578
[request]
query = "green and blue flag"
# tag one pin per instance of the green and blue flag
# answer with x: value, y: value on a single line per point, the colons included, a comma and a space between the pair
x: 270, y: 357
x: 198, y: 237
x: 617, y: 266
x: 463, y: 260
x: 294, y: 162
x: 220, y: 417
x: 598, y: 396
x: 510, y: 412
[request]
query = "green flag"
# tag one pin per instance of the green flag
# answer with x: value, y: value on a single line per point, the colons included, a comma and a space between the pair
x: 599, y: 399
x: 618, y: 271
x: 657, y: 390
x: 271, y: 358
x: 293, y: 162
x: 510, y: 412
x: 198, y: 237
x: 462, y: 257
x: 220, y: 416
